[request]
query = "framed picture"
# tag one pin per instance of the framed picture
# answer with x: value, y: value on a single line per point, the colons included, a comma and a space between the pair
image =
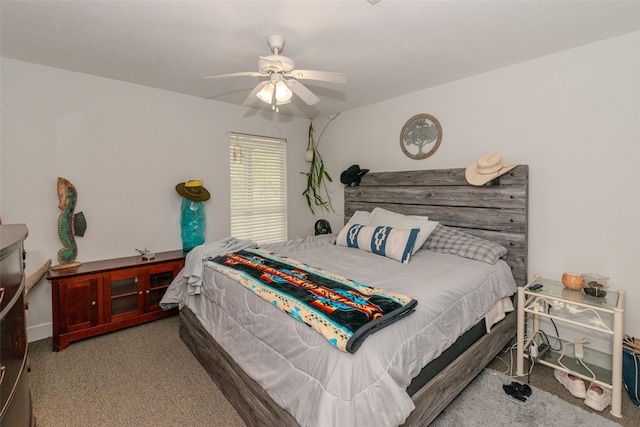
x: 420, y: 136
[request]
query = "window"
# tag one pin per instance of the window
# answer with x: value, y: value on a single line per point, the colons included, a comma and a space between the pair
x: 258, y: 188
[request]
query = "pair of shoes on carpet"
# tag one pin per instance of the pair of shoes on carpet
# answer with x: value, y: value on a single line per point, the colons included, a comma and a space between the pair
x: 517, y: 391
x: 595, y: 397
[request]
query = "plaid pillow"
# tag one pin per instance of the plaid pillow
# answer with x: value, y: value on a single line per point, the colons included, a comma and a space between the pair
x: 450, y: 241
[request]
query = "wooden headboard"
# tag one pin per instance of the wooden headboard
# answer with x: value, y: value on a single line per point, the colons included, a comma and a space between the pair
x: 497, y: 211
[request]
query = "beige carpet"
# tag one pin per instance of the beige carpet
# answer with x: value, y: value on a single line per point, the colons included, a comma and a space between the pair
x: 140, y: 376
x: 145, y: 376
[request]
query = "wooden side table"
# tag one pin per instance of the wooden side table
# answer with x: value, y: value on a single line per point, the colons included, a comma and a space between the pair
x: 104, y: 296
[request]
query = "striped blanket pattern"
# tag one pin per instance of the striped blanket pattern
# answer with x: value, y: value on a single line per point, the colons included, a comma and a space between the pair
x: 344, y: 311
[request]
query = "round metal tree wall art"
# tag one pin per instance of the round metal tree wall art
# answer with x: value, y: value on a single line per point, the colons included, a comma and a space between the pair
x: 420, y: 136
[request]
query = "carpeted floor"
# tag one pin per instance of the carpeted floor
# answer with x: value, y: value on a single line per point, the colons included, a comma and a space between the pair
x: 483, y: 403
x: 542, y: 377
x: 145, y: 376
x: 140, y: 376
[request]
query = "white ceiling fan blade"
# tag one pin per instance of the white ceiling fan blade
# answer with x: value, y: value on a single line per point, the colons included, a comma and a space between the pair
x: 268, y: 61
x: 278, y: 68
x: 303, y: 93
x: 242, y: 74
x: 252, y: 98
x: 326, y: 76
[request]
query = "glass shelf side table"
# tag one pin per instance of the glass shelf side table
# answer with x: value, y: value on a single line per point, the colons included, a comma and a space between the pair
x: 574, y: 305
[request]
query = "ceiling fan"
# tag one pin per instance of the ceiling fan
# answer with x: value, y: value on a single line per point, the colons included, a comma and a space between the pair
x: 283, y: 78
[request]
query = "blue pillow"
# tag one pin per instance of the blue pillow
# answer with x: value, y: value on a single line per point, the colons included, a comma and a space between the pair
x: 394, y: 243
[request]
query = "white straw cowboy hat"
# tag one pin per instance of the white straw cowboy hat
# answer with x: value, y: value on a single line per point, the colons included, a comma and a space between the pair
x: 487, y: 168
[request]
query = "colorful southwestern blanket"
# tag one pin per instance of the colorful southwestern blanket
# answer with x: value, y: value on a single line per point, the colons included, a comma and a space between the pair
x: 344, y: 311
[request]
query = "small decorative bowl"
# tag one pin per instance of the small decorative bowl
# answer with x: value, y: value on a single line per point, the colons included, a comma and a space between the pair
x: 572, y: 281
x: 595, y: 284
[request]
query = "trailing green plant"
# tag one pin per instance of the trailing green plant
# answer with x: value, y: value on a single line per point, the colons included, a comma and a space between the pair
x: 317, y: 192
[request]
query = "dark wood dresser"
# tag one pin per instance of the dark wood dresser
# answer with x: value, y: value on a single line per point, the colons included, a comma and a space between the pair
x: 15, y: 397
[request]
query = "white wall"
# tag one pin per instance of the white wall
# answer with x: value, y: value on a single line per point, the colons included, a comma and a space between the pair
x: 124, y: 147
x: 573, y: 117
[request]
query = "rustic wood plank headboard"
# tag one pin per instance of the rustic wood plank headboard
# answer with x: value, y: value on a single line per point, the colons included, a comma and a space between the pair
x: 497, y: 211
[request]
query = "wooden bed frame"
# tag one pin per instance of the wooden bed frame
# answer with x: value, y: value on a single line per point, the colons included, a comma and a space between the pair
x: 496, y: 211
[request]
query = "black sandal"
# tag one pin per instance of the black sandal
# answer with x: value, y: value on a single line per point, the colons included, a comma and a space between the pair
x: 522, y: 388
x: 517, y: 391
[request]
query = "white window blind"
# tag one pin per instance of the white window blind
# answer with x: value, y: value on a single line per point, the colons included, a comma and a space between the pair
x: 258, y: 188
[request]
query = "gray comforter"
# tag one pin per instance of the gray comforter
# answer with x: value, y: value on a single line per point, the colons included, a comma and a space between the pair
x: 321, y: 386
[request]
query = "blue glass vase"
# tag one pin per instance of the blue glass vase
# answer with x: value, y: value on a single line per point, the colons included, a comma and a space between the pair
x: 193, y: 224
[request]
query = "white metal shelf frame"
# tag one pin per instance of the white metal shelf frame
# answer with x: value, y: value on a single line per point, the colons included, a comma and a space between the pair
x: 553, y: 294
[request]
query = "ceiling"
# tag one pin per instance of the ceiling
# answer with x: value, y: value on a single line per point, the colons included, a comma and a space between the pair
x: 386, y: 49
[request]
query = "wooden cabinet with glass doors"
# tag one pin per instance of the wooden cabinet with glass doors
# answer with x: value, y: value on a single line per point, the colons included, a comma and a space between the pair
x: 103, y: 296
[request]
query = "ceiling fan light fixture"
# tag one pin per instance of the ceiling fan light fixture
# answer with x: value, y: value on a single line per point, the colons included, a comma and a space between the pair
x: 283, y: 93
x: 266, y: 93
x: 283, y: 78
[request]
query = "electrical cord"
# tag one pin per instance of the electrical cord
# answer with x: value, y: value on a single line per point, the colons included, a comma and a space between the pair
x: 596, y: 321
x: 573, y: 310
x: 509, y: 365
x: 554, y: 325
x: 545, y: 339
x: 564, y: 347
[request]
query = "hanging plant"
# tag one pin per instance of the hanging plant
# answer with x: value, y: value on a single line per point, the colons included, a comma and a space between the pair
x: 317, y: 193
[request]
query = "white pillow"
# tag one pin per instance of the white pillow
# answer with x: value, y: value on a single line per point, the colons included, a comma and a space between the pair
x: 381, y: 216
x: 390, y: 242
x: 358, y: 217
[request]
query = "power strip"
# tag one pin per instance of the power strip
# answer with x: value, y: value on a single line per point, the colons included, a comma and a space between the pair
x: 538, y: 351
x: 543, y: 349
x: 579, y: 349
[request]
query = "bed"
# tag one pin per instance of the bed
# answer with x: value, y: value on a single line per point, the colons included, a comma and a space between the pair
x: 496, y: 212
